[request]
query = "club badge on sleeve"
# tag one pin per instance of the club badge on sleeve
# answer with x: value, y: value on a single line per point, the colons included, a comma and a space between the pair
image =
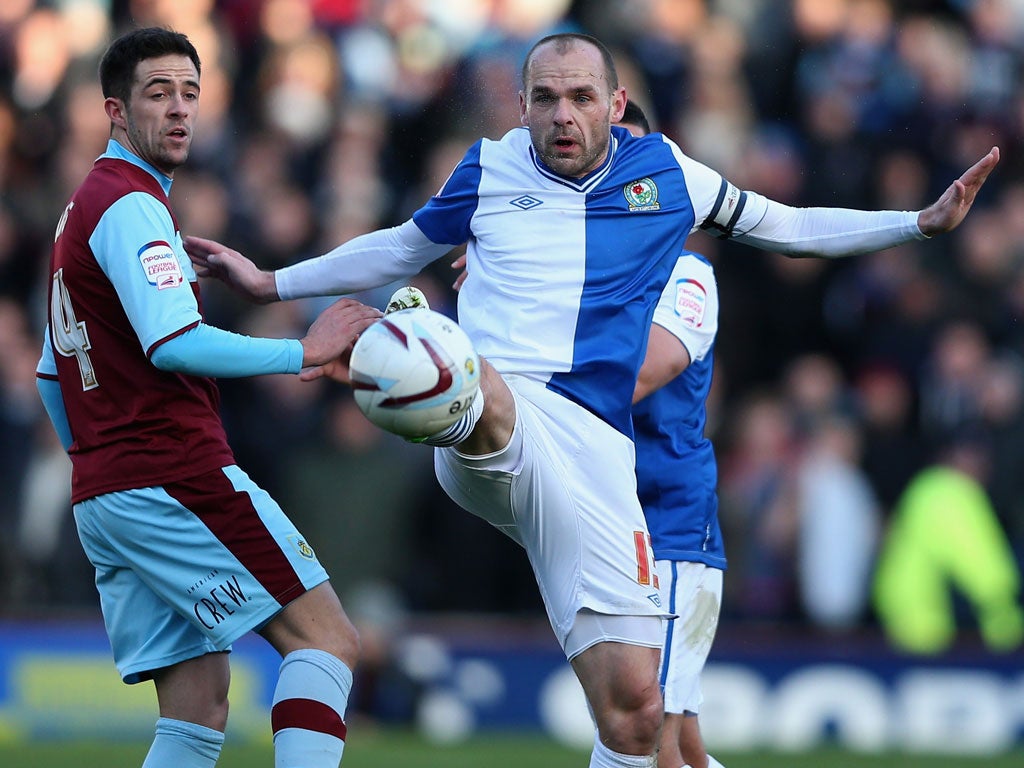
x: 161, y: 265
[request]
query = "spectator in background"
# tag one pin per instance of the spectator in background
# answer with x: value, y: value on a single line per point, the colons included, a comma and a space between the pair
x: 951, y: 383
x: 758, y: 508
x: 892, y: 452
x: 839, y: 526
x: 945, y: 540
x: 1001, y: 402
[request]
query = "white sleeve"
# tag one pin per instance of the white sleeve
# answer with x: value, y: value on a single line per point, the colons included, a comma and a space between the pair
x: 722, y: 210
x: 688, y: 308
x: 364, y: 262
x: 828, y: 232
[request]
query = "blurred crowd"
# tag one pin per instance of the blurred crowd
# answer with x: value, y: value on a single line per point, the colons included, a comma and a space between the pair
x: 838, y: 385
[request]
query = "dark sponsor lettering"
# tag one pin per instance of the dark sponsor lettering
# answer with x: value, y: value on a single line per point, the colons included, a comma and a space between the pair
x: 216, y: 608
x: 204, y: 580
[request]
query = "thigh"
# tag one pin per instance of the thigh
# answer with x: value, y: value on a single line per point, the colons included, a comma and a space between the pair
x: 612, y: 672
x: 565, y: 489
x: 693, y: 592
x: 214, y: 550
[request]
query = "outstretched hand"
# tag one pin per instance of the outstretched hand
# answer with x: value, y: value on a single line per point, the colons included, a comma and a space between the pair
x: 948, y: 211
x: 212, y: 259
x: 331, y: 336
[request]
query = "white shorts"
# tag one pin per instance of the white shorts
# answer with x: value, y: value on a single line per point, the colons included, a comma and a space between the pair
x: 693, y: 591
x: 565, y: 489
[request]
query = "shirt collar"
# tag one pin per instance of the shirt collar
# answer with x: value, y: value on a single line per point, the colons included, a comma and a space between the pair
x: 116, y: 150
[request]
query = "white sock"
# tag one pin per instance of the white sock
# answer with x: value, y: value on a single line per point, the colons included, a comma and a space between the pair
x: 602, y: 757
x: 712, y: 763
x: 308, y: 716
x: 461, y: 429
x: 180, y: 744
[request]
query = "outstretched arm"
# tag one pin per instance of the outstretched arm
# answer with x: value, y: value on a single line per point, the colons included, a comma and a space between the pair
x: 835, y: 232
x: 212, y: 259
x: 368, y: 261
x: 208, y: 351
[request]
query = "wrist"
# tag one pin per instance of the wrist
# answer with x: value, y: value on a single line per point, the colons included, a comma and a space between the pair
x: 267, y: 291
x: 310, y: 354
x: 926, y: 224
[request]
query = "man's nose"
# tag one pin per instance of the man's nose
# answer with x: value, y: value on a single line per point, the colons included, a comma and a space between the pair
x: 563, y: 112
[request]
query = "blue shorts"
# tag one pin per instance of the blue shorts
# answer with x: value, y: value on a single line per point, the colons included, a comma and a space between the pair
x: 187, y: 568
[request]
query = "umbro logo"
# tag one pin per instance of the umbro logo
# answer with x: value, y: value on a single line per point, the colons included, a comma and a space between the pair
x: 526, y: 202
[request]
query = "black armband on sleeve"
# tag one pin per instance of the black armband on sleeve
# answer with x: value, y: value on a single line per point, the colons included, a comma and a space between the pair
x: 725, y: 212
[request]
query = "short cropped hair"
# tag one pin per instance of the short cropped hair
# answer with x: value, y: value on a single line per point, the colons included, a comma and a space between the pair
x: 117, y: 67
x: 634, y: 115
x: 562, y: 41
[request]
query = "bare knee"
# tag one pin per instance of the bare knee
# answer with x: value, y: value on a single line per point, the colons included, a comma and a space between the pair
x: 315, y: 620
x: 621, y: 683
x: 632, y: 722
x: 195, y: 691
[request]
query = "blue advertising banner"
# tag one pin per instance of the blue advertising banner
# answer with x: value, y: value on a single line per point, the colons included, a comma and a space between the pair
x: 451, y: 679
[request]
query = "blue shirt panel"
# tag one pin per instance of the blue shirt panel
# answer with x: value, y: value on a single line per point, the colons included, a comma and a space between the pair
x: 633, y: 241
x: 446, y: 217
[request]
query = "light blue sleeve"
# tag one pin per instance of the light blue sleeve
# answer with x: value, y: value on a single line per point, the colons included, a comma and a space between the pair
x: 50, y: 394
x: 140, y: 251
x: 209, y: 351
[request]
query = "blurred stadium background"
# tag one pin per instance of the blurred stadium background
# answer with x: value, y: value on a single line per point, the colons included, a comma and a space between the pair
x: 837, y: 383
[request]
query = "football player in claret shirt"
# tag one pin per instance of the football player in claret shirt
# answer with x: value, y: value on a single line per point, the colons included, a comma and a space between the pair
x: 189, y: 553
x: 572, y: 229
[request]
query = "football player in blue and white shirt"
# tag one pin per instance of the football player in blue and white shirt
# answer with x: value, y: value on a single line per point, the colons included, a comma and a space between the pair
x: 677, y: 479
x: 573, y: 228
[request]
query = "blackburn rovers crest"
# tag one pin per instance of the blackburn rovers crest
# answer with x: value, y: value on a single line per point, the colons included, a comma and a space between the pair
x: 642, y: 195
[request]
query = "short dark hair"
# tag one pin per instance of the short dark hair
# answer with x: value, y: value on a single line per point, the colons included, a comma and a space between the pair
x: 117, y: 68
x: 562, y: 41
x: 633, y: 115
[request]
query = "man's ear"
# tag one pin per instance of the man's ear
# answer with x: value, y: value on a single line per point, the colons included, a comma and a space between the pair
x: 522, y: 107
x: 618, y: 104
x: 116, y: 111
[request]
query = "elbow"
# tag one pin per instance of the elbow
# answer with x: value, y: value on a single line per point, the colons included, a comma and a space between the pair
x: 165, y: 360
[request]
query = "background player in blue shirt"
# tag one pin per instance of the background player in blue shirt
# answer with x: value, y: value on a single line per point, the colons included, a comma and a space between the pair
x: 189, y: 553
x: 677, y: 482
x: 572, y: 229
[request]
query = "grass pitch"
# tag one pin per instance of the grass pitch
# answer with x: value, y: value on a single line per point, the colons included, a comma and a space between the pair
x: 386, y: 749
